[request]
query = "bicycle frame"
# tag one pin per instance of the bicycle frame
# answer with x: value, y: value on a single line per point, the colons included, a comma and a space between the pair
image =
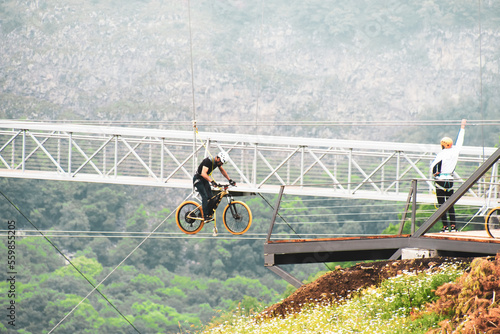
x: 214, y: 201
x: 237, y: 216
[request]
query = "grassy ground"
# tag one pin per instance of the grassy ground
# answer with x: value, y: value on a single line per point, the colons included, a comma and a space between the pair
x: 389, y: 308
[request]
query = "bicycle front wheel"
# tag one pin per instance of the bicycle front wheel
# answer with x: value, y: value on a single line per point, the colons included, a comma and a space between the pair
x: 189, y: 217
x: 237, y: 217
x: 492, y: 223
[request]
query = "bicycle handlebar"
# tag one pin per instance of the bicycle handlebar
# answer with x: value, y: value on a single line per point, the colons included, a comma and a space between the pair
x: 224, y: 186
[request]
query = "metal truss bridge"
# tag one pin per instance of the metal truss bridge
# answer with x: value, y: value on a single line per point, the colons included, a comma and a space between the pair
x: 260, y: 164
x: 279, y: 165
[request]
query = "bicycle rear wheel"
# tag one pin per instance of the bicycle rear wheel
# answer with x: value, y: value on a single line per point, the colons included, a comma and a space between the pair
x: 237, y: 217
x: 492, y: 223
x: 189, y: 217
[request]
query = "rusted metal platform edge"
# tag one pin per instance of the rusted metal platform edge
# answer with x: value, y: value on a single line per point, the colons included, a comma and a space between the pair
x: 442, y: 236
x: 301, y: 251
x: 458, y: 237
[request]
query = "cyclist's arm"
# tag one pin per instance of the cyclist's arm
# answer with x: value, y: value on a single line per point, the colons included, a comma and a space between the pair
x: 204, y: 174
x: 224, y: 173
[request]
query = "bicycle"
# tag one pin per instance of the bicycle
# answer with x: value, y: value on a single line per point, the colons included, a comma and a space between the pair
x: 236, y: 217
x: 492, y: 222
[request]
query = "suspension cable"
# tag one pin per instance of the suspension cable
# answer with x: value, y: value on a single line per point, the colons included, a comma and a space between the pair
x: 481, y: 77
x: 192, y: 86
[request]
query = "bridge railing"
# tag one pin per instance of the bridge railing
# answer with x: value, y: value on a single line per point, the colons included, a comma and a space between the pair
x: 167, y: 158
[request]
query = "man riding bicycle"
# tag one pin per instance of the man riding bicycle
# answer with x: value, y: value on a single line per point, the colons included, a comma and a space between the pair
x: 202, y: 181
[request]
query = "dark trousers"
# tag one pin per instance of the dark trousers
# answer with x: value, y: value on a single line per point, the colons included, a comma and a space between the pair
x: 205, y: 191
x: 444, y: 190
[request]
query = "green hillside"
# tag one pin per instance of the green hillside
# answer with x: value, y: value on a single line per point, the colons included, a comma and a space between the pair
x: 319, y: 69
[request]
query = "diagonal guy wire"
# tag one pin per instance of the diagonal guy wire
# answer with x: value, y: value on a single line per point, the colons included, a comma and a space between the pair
x: 112, y: 271
x: 67, y: 259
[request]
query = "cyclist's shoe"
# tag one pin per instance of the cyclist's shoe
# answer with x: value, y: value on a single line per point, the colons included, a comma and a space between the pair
x: 453, y: 228
x: 208, y: 219
x: 444, y: 229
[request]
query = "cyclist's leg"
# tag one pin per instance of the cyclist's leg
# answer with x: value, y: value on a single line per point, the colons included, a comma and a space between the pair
x: 205, y: 191
x: 208, y: 209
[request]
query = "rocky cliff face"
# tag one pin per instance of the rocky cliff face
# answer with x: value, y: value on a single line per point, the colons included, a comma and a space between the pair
x: 360, y: 61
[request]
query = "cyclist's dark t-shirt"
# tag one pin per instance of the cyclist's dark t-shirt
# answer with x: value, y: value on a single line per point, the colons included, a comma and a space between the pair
x: 207, y: 162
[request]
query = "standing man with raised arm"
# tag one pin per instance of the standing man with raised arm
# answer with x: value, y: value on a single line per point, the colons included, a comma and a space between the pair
x: 442, y: 169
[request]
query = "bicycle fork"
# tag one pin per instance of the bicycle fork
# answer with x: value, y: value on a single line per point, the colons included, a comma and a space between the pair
x: 233, y: 209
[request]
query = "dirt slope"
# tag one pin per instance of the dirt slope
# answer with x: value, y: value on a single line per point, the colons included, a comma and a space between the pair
x: 340, y: 283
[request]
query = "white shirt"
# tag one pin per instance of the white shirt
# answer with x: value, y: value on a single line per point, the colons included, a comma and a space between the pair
x: 449, y: 158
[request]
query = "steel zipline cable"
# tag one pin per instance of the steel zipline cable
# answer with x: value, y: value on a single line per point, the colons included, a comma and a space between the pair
x: 129, y: 235
x: 263, y: 123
